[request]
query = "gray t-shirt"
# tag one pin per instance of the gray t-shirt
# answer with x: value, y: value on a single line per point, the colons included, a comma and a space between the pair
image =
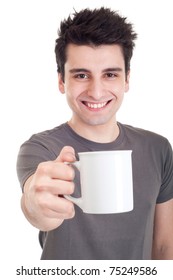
x: 105, y: 236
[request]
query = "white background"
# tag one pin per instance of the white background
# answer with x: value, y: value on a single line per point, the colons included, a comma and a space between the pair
x: 30, y: 101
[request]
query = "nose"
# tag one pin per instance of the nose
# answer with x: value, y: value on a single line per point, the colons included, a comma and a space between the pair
x: 96, y: 89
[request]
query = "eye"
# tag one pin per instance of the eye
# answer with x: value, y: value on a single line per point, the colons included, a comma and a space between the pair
x: 111, y: 75
x: 81, y: 76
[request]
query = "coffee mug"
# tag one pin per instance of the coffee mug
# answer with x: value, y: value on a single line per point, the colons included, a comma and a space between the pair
x: 106, y: 182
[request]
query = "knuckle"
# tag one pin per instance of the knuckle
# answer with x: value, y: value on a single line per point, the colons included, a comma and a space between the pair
x: 42, y: 168
x: 38, y: 187
x: 41, y: 202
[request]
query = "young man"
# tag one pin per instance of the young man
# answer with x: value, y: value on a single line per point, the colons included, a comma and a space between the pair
x: 93, y: 55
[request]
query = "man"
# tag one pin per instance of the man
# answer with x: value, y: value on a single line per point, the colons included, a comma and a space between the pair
x: 93, y: 53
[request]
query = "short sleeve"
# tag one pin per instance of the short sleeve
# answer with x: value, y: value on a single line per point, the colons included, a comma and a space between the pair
x: 166, y: 190
x: 31, y: 153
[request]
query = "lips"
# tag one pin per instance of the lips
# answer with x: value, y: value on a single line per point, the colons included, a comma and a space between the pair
x: 93, y: 105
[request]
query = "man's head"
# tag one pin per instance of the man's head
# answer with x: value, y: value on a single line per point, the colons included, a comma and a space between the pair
x: 95, y: 27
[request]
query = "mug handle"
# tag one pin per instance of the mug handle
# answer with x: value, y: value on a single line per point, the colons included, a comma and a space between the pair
x: 75, y: 200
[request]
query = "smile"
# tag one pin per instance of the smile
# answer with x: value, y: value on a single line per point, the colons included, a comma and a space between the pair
x: 95, y: 105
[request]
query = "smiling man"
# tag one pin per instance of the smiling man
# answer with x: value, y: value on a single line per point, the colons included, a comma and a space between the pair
x: 93, y: 53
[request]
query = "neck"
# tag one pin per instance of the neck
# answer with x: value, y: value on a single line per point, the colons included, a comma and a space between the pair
x: 98, y: 133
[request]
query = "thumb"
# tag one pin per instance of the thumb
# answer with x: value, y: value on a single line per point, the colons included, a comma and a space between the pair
x: 67, y: 154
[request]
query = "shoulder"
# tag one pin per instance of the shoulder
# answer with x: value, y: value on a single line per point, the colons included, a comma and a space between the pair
x: 48, y: 134
x: 50, y: 138
x: 145, y: 136
x: 46, y: 144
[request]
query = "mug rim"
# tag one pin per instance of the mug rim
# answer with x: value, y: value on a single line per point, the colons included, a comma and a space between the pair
x: 105, y: 152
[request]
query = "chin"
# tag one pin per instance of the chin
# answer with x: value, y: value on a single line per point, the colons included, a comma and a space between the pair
x: 98, y: 122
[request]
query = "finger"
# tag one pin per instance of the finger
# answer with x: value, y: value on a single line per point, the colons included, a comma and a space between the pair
x: 53, y: 170
x: 58, y: 207
x: 62, y: 171
x: 57, y: 187
x: 66, y: 154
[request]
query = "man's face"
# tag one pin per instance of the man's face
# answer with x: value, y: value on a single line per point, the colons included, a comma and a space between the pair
x: 94, y: 83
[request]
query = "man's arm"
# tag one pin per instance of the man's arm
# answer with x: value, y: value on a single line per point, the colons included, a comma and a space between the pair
x: 163, y: 231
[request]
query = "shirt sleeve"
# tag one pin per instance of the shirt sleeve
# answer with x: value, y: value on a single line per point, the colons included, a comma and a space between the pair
x: 166, y: 190
x: 31, y: 153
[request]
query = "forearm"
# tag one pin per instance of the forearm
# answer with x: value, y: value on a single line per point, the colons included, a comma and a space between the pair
x: 163, y: 253
x: 163, y: 231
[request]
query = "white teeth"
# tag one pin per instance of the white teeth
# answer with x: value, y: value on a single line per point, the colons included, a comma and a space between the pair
x: 96, y: 106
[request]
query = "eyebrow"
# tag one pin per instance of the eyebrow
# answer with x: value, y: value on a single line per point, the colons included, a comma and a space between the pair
x: 111, y: 69
x: 77, y: 70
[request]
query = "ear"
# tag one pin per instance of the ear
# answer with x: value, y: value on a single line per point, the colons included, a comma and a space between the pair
x: 61, y: 83
x: 127, y: 81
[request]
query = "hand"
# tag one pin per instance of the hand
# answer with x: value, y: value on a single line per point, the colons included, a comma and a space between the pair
x: 43, y: 203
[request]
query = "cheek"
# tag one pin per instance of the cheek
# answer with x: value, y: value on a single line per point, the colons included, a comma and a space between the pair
x: 123, y: 88
x: 73, y: 91
x: 71, y: 96
x: 118, y: 92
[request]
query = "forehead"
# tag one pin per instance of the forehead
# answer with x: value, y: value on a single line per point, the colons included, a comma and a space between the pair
x: 90, y: 56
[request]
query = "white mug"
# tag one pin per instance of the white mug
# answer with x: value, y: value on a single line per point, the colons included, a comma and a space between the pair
x: 106, y: 182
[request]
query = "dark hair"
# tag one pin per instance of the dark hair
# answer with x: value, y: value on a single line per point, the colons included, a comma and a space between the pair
x: 95, y: 27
